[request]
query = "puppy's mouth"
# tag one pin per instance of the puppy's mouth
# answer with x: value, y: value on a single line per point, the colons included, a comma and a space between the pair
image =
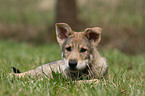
x: 73, y: 69
x: 75, y: 66
x: 77, y: 69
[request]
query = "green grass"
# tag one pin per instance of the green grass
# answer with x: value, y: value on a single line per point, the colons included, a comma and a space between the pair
x: 119, y: 20
x: 120, y: 12
x: 126, y: 73
x: 26, y: 12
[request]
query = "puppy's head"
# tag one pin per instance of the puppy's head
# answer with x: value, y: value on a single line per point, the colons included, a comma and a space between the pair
x: 77, y: 46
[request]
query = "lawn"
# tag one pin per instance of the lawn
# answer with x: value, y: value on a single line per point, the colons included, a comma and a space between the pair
x: 126, y: 73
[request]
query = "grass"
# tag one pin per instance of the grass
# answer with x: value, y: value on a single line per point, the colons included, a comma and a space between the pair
x: 33, y: 21
x: 126, y: 73
x: 26, y: 12
x: 119, y: 19
x: 96, y: 12
x: 118, y: 12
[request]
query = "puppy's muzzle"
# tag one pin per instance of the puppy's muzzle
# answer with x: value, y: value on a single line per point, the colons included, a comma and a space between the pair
x: 72, y: 64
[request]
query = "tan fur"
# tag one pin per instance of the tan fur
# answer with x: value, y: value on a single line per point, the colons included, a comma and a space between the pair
x: 76, y: 46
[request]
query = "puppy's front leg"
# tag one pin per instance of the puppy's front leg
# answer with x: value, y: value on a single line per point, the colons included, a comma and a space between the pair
x: 44, y: 70
x: 32, y: 73
x: 36, y: 73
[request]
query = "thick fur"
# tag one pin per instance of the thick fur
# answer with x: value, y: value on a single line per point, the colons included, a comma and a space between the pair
x: 81, y: 60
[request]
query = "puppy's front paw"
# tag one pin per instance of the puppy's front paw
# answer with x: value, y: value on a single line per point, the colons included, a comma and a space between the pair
x: 96, y: 81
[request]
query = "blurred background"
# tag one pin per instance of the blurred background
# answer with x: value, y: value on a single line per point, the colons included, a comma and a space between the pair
x: 33, y: 21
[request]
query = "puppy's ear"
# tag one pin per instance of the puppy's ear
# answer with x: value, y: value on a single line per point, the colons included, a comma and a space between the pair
x: 93, y: 35
x: 63, y: 31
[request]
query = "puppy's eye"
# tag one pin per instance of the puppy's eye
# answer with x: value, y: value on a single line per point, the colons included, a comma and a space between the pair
x: 83, y: 50
x: 68, y: 48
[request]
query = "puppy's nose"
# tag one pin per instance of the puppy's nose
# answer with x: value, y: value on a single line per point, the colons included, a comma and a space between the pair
x: 72, y: 63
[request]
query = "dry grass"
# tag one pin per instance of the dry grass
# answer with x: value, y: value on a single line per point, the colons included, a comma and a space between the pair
x: 126, y: 73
